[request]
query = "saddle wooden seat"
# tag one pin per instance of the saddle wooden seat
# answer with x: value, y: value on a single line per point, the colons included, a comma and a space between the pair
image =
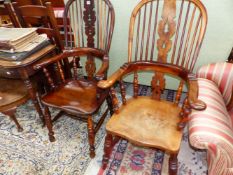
x: 148, y: 127
x: 80, y: 95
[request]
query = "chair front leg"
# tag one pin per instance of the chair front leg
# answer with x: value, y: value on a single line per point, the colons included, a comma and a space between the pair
x: 91, y: 136
x: 108, y: 144
x: 49, y: 124
x: 173, y: 164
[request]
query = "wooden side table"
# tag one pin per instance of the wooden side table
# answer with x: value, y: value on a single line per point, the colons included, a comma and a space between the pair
x: 12, y: 94
x: 24, y: 70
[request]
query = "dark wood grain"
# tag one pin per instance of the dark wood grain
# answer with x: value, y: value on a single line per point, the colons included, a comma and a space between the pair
x: 77, y: 95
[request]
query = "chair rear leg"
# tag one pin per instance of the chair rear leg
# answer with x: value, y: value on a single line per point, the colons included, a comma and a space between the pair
x: 91, y: 136
x: 49, y: 124
x: 108, y: 144
x: 110, y: 106
x: 173, y: 164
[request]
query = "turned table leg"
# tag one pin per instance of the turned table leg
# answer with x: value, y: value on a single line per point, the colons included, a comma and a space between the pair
x: 31, y: 91
x: 11, y: 113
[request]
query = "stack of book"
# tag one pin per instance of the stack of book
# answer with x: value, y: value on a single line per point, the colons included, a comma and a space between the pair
x: 18, y: 43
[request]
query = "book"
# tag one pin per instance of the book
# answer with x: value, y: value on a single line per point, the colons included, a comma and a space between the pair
x: 18, y: 56
x: 19, y: 39
x: 11, y: 35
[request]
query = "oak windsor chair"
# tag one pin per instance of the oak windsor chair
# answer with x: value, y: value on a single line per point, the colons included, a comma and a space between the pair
x: 165, y: 37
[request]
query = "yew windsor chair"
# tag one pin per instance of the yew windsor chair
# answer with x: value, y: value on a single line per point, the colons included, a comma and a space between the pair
x: 89, y: 23
x: 73, y: 93
x: 165, y: 37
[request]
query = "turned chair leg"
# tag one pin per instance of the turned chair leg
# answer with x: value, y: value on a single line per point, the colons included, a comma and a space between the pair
x: 11, y: 113
x: 108, y: 144
x: 91, y: 136
x: 110, y: 106
x: 49, y: 124
x: 173, y: 164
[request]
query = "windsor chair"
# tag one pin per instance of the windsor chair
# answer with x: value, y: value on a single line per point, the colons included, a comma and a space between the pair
x: 41, y: 17
x: 77, y: 94
x: 165, y: 39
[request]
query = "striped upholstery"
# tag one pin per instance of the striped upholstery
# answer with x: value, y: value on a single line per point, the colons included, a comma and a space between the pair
x: 212, y: 129
x: 222, y: 75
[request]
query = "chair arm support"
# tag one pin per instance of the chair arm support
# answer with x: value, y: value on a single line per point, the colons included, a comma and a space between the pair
x: 104, y: 84
x: 193, y: 94
x: 102, y: 72
x: 71, y: 53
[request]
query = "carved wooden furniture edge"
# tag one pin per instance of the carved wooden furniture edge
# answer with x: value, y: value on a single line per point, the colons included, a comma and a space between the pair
x: 193, y: 93
x: 113, y: 78
x: 138, y: 66
x: 101, y: 74
x: 74, y: 52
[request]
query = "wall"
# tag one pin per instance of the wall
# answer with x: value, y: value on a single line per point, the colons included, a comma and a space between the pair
x: 216, y: 46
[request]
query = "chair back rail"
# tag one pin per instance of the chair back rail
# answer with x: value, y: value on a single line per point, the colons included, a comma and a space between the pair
x: 55, y: 72
x: 27, y: 2
x: 160, y: 32
x: 89, y: 24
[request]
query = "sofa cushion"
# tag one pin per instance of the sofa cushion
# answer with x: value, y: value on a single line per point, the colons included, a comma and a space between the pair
x: 214, y: 124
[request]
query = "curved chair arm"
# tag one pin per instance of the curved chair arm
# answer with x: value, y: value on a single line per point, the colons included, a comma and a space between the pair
x: 193, y: 94
x: 102, y: 72
x: 71, y: 53
x: 104, y: 84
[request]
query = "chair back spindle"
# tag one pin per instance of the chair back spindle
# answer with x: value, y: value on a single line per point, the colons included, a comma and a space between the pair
x: 123, y: 92
x: 135, y: 84
x: 49, y: 78
x: 89, y: 24
x: 159, y: 32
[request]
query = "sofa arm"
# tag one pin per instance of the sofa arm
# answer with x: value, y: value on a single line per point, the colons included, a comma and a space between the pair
x: 211, y: 129
x: 222, y: 75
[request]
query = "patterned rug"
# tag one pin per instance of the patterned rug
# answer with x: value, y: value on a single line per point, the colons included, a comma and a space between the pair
x: 30, y: 152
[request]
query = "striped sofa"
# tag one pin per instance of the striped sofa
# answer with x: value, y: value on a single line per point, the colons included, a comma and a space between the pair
x: 212, y: 129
